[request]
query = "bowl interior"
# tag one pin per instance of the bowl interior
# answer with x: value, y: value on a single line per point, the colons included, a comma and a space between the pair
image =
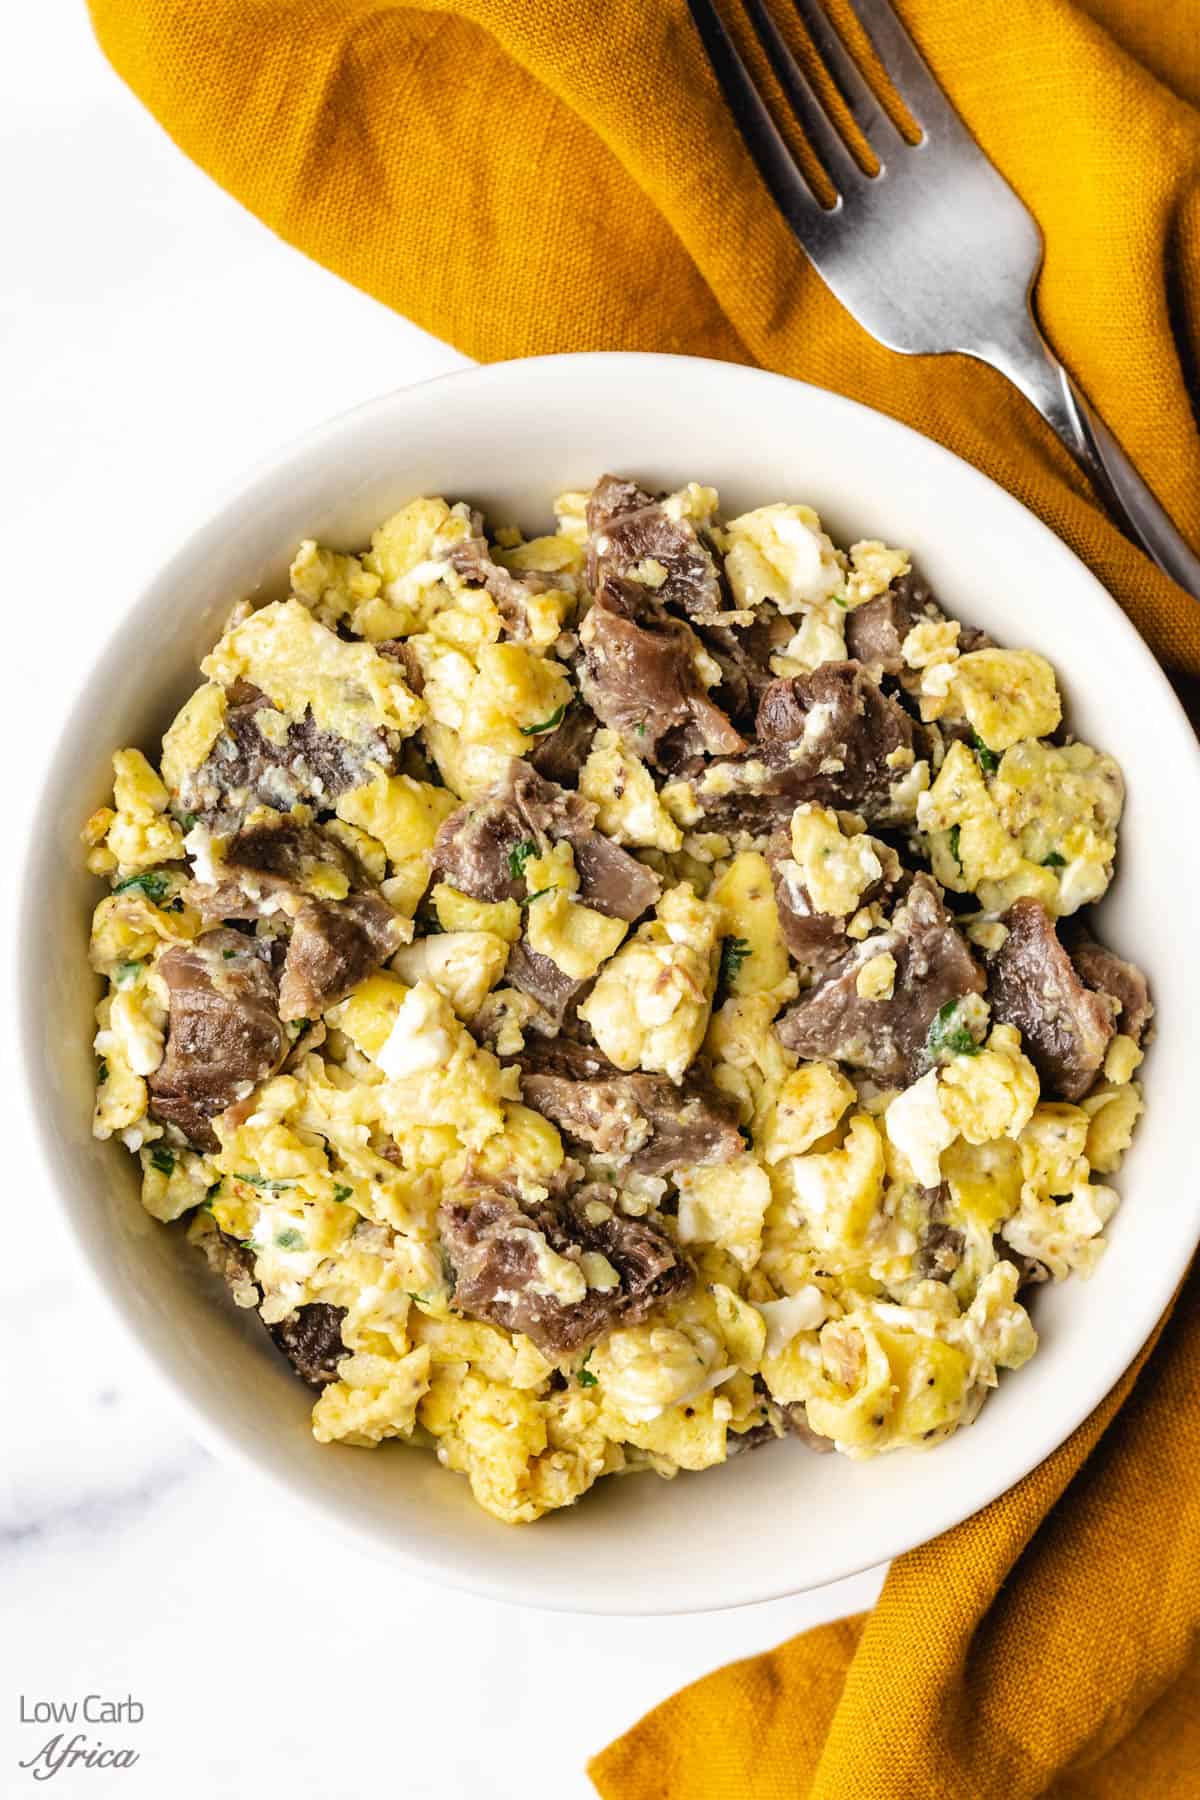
x: 510, y: 437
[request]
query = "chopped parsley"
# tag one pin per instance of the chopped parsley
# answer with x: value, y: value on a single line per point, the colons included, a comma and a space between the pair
x: 341, y: 1192
x: 210, y: 1193
x: 102, y: 1071
x: 518, y: 856
x: 264, y: 1181
x: 289, y: 1239
x: 163, y: 1160
x: 586, y: 1378
x: 947, y: 1038
x: 229, y: 955
x: 187, y: 820
x: 840, y: 600
x: 126, y: 973
x: 734, y: 951
x: 550, y: 724
x: 150, y: 883
x: 989, y: 761
x: 641, y: 730
x: 955, y: 840
x: 1054, y: 861
x: 530, y: 898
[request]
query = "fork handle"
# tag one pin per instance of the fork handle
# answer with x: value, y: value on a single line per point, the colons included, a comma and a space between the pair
x: 1032, y: 366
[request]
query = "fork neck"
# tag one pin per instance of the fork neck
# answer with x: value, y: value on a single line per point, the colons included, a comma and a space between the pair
x: 1023, y: 355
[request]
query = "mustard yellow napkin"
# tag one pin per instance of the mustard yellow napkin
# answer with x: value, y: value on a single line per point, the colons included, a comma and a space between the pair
x: 525, y: 176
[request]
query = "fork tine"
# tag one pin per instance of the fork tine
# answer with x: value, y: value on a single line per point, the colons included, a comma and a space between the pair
x: 864, y: 108
x: 819, y: 129
x: 776, y: 165
x: 910, y: 74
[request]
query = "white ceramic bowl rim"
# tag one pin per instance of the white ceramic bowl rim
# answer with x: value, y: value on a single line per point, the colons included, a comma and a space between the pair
x: 576, y: 394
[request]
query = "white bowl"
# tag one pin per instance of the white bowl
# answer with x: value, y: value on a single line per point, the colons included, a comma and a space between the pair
x: 510, y: 437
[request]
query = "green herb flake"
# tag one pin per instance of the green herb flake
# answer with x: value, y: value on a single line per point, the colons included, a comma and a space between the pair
x: 150, y: 883
x: 947, y: 1038
x: 102, y: 1071
x: 989, y: 761
x: 840, y: 600
x: 530, y: 898
x: 641, y: 730
x: 126, y: 973
x: 341, y: 1192
x: 187, y: 820
x: 289, y: 1239
x: 264, y: 1181
x: 955, y: 840
x: 734, y: 951
x: 550, y: 724
x: 518, y: 856
x: 229, y: 955
x: 586, y: 1378
x: 1054, y: 861
x: 163, y: 1160
x: 211, y: 1192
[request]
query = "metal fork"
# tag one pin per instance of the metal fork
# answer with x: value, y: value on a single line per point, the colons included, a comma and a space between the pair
x: 933, y: 253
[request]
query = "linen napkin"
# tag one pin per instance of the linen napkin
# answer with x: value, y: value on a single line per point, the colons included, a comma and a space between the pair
x: 522, y: 177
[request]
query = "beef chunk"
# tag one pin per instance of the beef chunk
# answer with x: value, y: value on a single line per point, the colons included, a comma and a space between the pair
x: 876, y: 632
x: 223, y: 1031
x: 642, y: 1121
x: 1123, y: 982
x: 632, y: 529
x: 334, y: 945
x: 543, y: 980
x: 1065, y: 1027
x: 640, y: 677
x: 824, y: 737
x: 472, y: 559
x: 781, y: 1421
x: 481, y: 848
x: 311, y: 1339
x: 496, y: 1251
x: 817, y: 940
x: 560, y: 754
x: 400, y: 650
x: 743, y: 654
x: 245, y: 768
x: 934, y: 965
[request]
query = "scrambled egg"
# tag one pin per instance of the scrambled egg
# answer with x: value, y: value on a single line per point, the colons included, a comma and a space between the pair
x: 858, y: 1258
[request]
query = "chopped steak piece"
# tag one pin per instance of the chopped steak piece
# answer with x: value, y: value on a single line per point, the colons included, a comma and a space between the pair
x: 888, y: 1037
x: 311, y: 1339
x: 622, y: 542
x: 267, y: 862
x: 743, y: 654
x: 543, y: 980
x: 816, y: 939
x: 334, y: 945
x: 223, y: 1031
x: 640, y: 677
x: 472, y: 559
x: 876, y: 632
x: 1065, y: 1027
x: 245, y: 768
x: 497, y: 1251
x: 481, y: 849
x: 399, y: 650
x: 560, y: 754
x: 825, y: 737
x: 781, y: 1422
x: 1122, y: 981
x: 610, y: 497
x: 642, y: 1121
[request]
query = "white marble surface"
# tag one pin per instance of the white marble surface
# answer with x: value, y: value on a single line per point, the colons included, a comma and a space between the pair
x: 156, y: 340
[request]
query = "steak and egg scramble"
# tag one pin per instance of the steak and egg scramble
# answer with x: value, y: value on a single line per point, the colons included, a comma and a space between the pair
x: 613, y: 999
